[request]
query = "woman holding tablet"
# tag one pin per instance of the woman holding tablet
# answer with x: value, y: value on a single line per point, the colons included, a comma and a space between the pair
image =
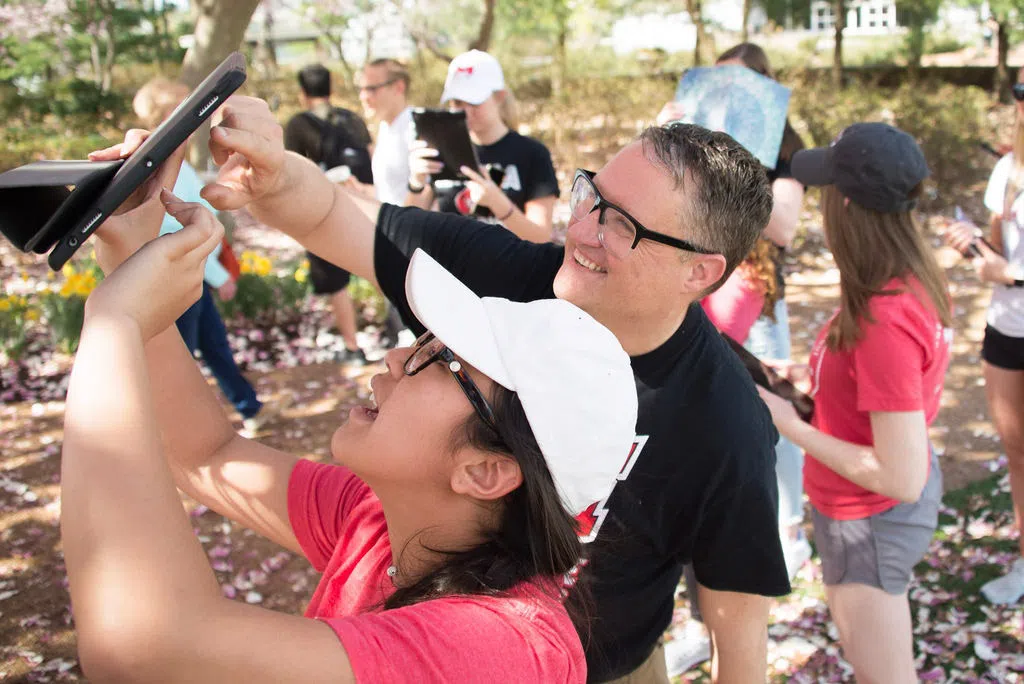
x: 522, y: 197
x: 443, y: 534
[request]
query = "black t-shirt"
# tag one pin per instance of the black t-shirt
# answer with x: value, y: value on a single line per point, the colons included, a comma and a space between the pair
x: 522, y: 169
x: 307, y: 133
x: 699, y: 483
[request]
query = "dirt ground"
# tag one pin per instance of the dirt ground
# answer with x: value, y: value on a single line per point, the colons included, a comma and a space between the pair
x: 36, y: 632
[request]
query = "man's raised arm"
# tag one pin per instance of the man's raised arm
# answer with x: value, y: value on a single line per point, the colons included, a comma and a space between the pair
x: 284, y: 190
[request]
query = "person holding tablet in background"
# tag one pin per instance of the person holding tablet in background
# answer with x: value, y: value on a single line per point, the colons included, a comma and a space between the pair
x: 877, y: 370
x: 1003, y: 349
x: 523, y: 199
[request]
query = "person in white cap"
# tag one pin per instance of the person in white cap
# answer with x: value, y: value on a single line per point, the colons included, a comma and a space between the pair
x: 660, y: 226
x: 517, y: 186
x: 445, y: 535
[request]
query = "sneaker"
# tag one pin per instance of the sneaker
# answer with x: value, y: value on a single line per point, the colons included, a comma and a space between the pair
x: 351, y: 357
x: 689, y: 647
x: 796, y: 552
x: 1008, y: 589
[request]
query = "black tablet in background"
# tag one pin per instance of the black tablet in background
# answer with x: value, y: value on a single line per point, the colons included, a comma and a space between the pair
x: 168, y: 137
x: 446, y: 131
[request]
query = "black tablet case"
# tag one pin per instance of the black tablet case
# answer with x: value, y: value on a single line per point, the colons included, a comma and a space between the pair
x: 446, y: 132
x: 40, y: 201
x: 58, y: 204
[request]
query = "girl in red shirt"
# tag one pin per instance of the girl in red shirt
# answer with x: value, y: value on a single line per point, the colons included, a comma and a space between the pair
x: 445, y: 534
x: 877, y: 371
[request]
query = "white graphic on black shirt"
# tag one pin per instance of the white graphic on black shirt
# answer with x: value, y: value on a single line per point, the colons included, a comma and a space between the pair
x: 591, y: 519
x: 511, y: 179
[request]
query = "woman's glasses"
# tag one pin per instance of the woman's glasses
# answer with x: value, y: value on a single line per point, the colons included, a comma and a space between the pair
x: 429, y: 349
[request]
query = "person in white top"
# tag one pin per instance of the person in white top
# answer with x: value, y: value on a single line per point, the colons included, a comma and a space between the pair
x: 1001, y: 262
x: 383, y: 87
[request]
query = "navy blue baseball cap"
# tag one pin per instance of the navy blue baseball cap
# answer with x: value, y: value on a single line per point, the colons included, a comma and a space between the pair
x: 874, y: 164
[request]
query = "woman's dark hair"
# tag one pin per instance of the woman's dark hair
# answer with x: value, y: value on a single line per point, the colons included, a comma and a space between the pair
x: 537, y: 539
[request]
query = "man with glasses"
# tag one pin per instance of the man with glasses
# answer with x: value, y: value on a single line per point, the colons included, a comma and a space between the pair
x: 383, y: 88
x: 661, y: 225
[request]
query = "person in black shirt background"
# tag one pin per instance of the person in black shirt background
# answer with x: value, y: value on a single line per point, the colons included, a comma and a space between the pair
x: 524, y: 188
x: 661, y: 225
x: 331, y: 137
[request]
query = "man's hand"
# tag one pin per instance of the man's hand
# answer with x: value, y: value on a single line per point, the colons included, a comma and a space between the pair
x: 248, y: 145
x: 137, y: 221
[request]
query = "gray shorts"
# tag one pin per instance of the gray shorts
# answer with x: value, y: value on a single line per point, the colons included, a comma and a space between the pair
x: 882, y: 550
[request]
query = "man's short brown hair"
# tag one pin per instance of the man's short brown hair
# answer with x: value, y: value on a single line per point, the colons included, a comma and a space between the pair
x: 732, y: 199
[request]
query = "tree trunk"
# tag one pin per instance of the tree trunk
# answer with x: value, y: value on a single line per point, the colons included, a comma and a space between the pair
x: 1002, y: 83
x: 110, y: 56
x: 558, y: 71
x: 915, y: 48
x: 745, y: 34
x: 694, y: 9
x: 220, y: 28
x: 267, y: 51
x: 483, y: 36
x: 839, y: 9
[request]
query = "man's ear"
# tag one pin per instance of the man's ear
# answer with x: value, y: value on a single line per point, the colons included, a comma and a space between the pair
x: 486, y: 476
x: 702, y: 271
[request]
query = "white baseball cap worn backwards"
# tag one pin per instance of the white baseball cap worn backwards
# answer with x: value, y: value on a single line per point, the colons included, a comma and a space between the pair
x: 571, y: 375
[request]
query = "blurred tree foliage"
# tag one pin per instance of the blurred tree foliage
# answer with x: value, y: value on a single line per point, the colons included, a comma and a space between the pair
x: 58, y: 57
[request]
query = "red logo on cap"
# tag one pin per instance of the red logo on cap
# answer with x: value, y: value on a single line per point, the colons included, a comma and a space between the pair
x: 464, y: 70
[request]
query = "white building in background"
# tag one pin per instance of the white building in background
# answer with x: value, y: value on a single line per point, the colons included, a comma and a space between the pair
x: 676, y: 32
x: 863, y: 17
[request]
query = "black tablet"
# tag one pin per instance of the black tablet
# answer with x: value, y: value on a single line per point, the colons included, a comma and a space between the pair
x: 765, y: 376
x: 446, y: 131
x: 170, y: 135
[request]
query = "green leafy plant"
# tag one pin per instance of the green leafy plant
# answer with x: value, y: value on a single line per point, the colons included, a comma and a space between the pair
x: 16, y: 315
x: 264, y: 294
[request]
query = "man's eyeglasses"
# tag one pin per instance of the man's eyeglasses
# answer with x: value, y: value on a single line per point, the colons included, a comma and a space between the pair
x: 429, y: 349
x: 377, y: 86
x: 617, y: 230
x: 1018, y: 92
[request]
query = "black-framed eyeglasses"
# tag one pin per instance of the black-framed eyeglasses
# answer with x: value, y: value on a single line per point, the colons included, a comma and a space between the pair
x: 1018, y: 92
x: 377, y: 86
x: 429, y: 349
x: 618, y: 231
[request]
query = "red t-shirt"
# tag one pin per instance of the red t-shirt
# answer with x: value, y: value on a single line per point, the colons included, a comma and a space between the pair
x: 525, y: 636
x: 899, y: 364
x: 735, y: 306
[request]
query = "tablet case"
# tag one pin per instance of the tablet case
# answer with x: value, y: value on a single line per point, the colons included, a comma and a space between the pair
x: 446, y: 132
x: 40, y: 201
x: 59, y: 204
